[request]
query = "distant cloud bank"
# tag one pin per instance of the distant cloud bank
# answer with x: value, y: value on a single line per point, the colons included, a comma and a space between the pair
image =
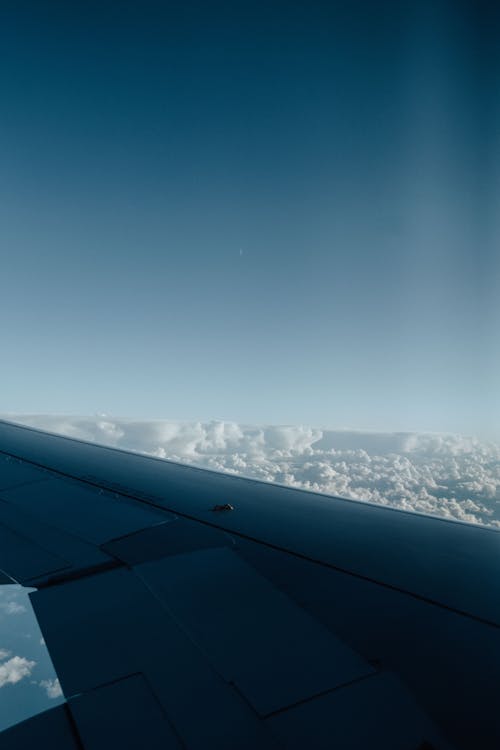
x: 446, y: 475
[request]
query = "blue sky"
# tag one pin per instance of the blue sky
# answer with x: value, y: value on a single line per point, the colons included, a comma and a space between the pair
x: 257, y: 212
x: 28, y: 682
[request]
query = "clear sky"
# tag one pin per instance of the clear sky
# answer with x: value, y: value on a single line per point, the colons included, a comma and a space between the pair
x: 262, y: 212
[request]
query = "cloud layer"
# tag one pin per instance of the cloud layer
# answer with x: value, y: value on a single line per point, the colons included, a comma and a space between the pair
x: 446, y: 475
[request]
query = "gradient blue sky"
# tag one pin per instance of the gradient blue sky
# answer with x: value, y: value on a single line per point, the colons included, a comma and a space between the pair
x: 263, y: 212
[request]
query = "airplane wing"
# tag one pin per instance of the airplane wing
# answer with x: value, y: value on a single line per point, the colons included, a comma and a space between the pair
x: 184, y: 608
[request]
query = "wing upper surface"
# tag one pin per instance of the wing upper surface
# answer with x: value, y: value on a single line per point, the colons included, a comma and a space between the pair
x: 440, y: 560
x: 257, y: 627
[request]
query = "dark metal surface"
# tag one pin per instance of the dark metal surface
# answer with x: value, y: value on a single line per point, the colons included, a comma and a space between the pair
x: 294, y: 620
x: 452, y: 564
x: 255, y: 636
x: 53, y: 727
x: 173, y: 537
x: 23, y: 558
x: 31, y: 549
x: 14, y: 472
x: 91, y: 514
x: 374, y: 713
x: 125, y: 715
x: 450, y: 663
x: 103, y: 628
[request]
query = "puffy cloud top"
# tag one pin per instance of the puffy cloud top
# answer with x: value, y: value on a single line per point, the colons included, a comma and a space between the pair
x: 52, y: 688
x: 14, y: 670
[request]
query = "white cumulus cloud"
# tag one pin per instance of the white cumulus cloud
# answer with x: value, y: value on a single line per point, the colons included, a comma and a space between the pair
x: 51, y: 687
x: 15, y: 669
x: 12, y: 608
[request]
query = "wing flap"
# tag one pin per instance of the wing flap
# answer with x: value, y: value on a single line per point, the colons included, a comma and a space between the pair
x: 94, y: 515
x: 124, y: 714
x: 52, y: 729
x: 106, y: 627
x: 253, y: 634
x: 31, y: 551
x: 14, y: 472
x: 374, y: 713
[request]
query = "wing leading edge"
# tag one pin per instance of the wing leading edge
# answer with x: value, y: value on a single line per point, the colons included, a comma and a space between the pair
x: 292, y: 621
